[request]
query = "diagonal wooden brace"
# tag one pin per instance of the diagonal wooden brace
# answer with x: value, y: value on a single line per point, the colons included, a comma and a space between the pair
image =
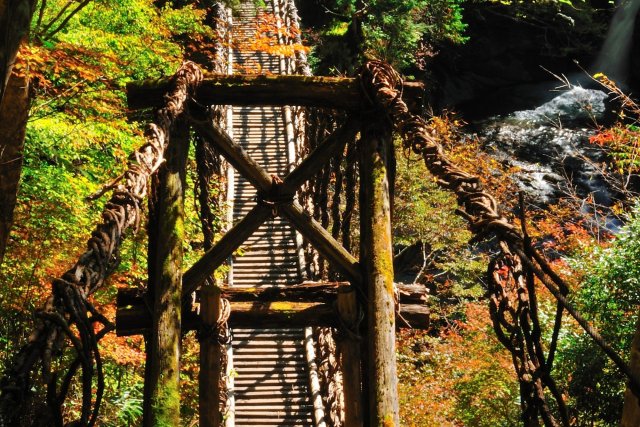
x: 257, y: 176
x: 235, y: 154
x: 263, y: 182
x: 318, y: 158
x: 214, y: 257
x: 323, y: 242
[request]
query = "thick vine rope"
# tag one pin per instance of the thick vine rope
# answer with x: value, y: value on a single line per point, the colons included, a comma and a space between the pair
x: 68, y: 308
x: 292, y: 19
x: 382, y: 85
x: 514, y: 312
x: 330, y: 375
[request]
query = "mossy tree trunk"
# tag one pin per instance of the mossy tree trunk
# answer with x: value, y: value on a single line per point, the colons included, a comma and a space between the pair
x: 166, y: 235
x: 376, y: 258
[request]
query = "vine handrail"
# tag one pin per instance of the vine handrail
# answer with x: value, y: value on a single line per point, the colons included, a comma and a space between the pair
x: 68, y: 305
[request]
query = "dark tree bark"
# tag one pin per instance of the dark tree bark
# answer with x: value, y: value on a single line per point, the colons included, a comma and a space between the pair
x: 14, y: 110
x: 15, y: 18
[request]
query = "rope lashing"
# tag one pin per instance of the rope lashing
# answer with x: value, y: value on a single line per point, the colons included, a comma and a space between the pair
x: 220, y: 331
x: 381, y: 84
x: 274, y: 197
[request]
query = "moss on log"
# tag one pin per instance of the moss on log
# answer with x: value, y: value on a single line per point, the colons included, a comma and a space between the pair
x: 239, y: 89
x: 136, y: 319
x: 166, y: 234
x: 377, y: 265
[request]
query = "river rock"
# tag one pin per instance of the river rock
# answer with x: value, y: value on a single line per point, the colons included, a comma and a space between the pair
x: 549, y: 146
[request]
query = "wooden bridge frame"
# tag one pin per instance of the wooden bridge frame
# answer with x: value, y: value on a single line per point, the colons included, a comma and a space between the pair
x: 170, y: 291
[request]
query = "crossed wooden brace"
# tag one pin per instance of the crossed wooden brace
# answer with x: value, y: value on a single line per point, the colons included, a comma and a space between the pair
x: 320, y: 238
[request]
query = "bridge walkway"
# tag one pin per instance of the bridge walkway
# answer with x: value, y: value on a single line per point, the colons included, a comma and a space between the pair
x: 271, y: 385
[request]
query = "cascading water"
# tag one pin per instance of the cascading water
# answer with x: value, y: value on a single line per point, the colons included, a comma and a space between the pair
x: 548, y: 148
x: 614, y: 57
x: 549, y: 145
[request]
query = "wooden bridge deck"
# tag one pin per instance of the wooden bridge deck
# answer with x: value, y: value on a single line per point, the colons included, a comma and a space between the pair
x: 271, y: 386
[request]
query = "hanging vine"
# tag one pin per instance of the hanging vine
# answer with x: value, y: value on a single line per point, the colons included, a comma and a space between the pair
x: 330, y: 375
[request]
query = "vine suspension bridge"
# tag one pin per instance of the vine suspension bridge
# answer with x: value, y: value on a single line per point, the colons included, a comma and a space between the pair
x: 299, y: 331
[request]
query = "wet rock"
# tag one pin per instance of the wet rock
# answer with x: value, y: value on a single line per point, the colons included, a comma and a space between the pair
x: 549, y: 146
x: 575, y: 106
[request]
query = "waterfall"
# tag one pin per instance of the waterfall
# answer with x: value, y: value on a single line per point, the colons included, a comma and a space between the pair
x: 614, y: 57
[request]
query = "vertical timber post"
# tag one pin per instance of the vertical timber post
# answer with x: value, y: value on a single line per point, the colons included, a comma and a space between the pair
x: 376, y: 258
x: 210, y: 358
x: 349, y: 349
x: 166, y: 235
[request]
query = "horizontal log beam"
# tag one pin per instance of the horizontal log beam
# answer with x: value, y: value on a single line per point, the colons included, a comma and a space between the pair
x: 303, y: 292
x: 239, y: 89
x: 135, y: 320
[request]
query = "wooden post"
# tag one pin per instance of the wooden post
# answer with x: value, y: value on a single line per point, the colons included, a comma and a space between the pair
x: 349, y: 350
x: 377, y: 262
x: 210, y: 358
x: 166, y: 236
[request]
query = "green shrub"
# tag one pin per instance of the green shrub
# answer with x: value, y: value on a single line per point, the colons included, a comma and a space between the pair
x: 609, y: 295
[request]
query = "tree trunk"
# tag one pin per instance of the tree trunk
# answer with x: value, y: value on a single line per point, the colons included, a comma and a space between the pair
x: 15, y: 18
x: 631, y: 410
x: 166, y: 236
x: 376, y: 258
x: 13, y: 121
